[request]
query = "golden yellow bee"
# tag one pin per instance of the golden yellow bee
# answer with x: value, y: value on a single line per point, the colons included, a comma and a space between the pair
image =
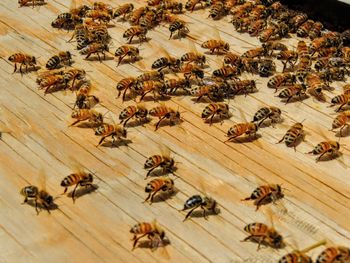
x: 341, y: 121
x: 217, y: 45
x: 137, y: 14
x: 342, y: 99
x: 23, y: 59
x: 105, y: 130
x: 164, y: 161
x: 221, y: 109
x: 138, y: 111
x: 163, y: 184
x: 124, y: 85
x: 299, y: 256
x: 95, y: 48
x: 265, y: 194
x: 290, y: 92
x: 248, y: 128
x: 206, y: 203
x: 102, y: 16
x: 123, y: 51
x: 293, y: 134
x: 79, y: 178
x: 164, y: 112
x: 153, y: 231
x: 148, y: 86
x: 137, y: 31
x: 92, y: 116
x: 123, y: 10
x: 52, y: 81
x: 327, y: 147
x: 334, y: 254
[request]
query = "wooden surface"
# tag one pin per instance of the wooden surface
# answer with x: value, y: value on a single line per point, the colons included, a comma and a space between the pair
x: 96, y: 227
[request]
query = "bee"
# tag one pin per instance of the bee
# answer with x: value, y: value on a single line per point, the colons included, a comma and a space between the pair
x: 346, y: 89
x: 41, y: 197
x: 217, y: 10
x: 191, y: 4
x: 332, y: 74
x: 190, y: 70
x: 154, y: 2
x: 281, y: 79
x: 256, y: 27
x: 105, y: 130
x: 79, y: 178
x: 297, y: 21
x: 149, y: 19
x: 73, y: 75
x: 124, y: 85
x: 271, y: 112
x: 219, y: 46
x: 139, y: 112
x: 317, y: 44
x: 293, y: 134
x: 52, y: 81
x: 206, y: 203
x: 254, y: 53
x: 172, y: 5
x: 55, y: 61
x: 172, y: 85
x: 265, y: 194
x: 213, y: 92
x: 221, y: 109
x: 247, y: 128
x: 164, y: 161
x: 296, y: 90
x: 179, y: 26
x: 102, y: 16
x: 152, y: 230
x: 196, y: 57
x: 83, y: 98
x: 267, y: 33
x: 99, y: 34
x: 263, y: 234
x: 123, y: 10
x: 315, y: 86
x: 137, y: 31
x: 327, y: 147
x: 150, y: 86
x: 33, y: 2
x: 123, y: 51
x: 249, y: 65
x: 272, y: 45
x: 315, y: 31
x: 334, y: 254
x: 243, y: 86
x: 23, y: 59
x: 160, y: 184
x: 95, y: 48
x: 302, y: 49
x: 167, y: 61
x: 66, y: 21
x: 342, y: 99
x: 303, y: 67
x: 151, y: 75
x: 226, y: 72
x: 341, y: 121
x: 266, y: 67
x: 304, y: 29
x: 287, y: 56
x: 81, y: 36
x: 299, y: 256
x: 164, y: 112
x: 137, y: 14
x: 232, y: 59
x: 94, y: 117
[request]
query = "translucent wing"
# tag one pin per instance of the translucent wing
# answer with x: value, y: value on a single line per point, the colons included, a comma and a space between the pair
x: 165, y: 150
x: 73, y: 4
x: 42, y: 179
x: 192, y: 46
x: 216, y: 33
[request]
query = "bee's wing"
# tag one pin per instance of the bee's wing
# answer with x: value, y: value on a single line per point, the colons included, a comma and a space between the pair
x: 165, y: 150
x: 76, y: 166
x: 192, y: 46
x: 73, y: 4
x: 242, y: 115
x: 216, y: 33
x: 42, y: 179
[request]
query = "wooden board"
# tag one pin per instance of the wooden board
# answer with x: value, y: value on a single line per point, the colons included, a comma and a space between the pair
x: 96, y: 227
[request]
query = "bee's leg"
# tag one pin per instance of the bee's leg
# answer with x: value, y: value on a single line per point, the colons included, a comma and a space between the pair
x: 98, y: 55
x: 247, y: 238
x: 153, y: 194
x: 20, y: 68
x: 144, y: 94
x: 262, y: 239
x: 130, y: 39
x: 15, y: 68
x: 204, y: 213
x: 47, y: 207
x: 289, y: 98
x: 319, y: 157
x: 341, y: 106
x: 126, y: 121
x: 158, y: 123
x: 261, y: 122
x: 281, y: 139
x: 341, y: 129
x: 149, y: 195
x: 171, y: 34
x: 25, y: 200
x: 136, y: 240
x: 36, y: 206
x: 150, y: 171
x: 77, y: 121
x: 102, y: 139
x: 73, y: 193
x: 124, y: 94
x: 190, y: 212
x: 120, y: 60
x: 88, y: 56
x: 211, y: 119
x: 284, y: 66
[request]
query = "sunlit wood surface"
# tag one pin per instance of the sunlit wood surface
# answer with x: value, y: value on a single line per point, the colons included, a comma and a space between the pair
x: 96, y: 227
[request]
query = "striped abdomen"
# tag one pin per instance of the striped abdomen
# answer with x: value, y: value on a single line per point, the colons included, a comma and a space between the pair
x: 154, y: 185
x: 153, y: 161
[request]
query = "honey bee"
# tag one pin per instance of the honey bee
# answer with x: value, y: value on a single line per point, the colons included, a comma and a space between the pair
x: 327, y: 147
x: 151, y: 75
x: 296, y: 90
x: 315, y: 86
x: 267, y: 33
x: 191, y: 4
x: 179, y: 26
x: 232, y: 59
x: 81, y: 36
x: 256, y: 27
x: 293, y: 134
x: 206, y: 203
x: 148, y: 86
x: 99, y: 34
x: 249, y: 65
x: 341, y: 121
x: 83, y: 98
x: 152, y: 230
x: 303, y: 67
x: 41, y: 197
x: 105, y: 130
x: 281, y: 79
x: 52, y: 81
x: 342, y: 99
x: 102, y: 16
x: 137, y: 31
x: 124, y: 85
x: 266, y: 67
x: 172, y: 85
x: 213, y: 109
x: 153, y: 2
x: 299, y: 256
x: 33, y: 2
x: 94, y: 117
x: 287, y: 57
x: 247, y: 128
x: 72, y: 75
x: 95, y: 48
x: 123, y: 51
x: 66, y: 21
x: 164, y: 112
x: 123, y: 10
x: 334, y: 254
x: 243, y: 87
x: 149, y: 19
x: 226, y: 72
x: 315, y: 31
x: 79, y: 178
x: 190, y: 70
x: 272, y: 45
x: 173, y: 6
x: 164, y: 161
x: 166, y: 61
x: 265, y: 194
x: 213, y: 92
x: 263, y: 234
x: 302, y: 49
x: 137, y: 14
x: 55, y: 61
x: 254, y: 53
x: 23, y: 59
x: 271, y: 112
x: 304, y: 29
x: 217, y: 10
x: 139, y: 112
x: 160, y: 184
x: 217, y: 45
x: 195, y: 57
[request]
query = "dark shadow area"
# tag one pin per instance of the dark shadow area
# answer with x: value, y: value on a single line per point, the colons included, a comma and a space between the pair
x: 40, y: 207
x: 163, y: 196
x: 117, y: 143
x: 83, y: 191
x: 161, y: 172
